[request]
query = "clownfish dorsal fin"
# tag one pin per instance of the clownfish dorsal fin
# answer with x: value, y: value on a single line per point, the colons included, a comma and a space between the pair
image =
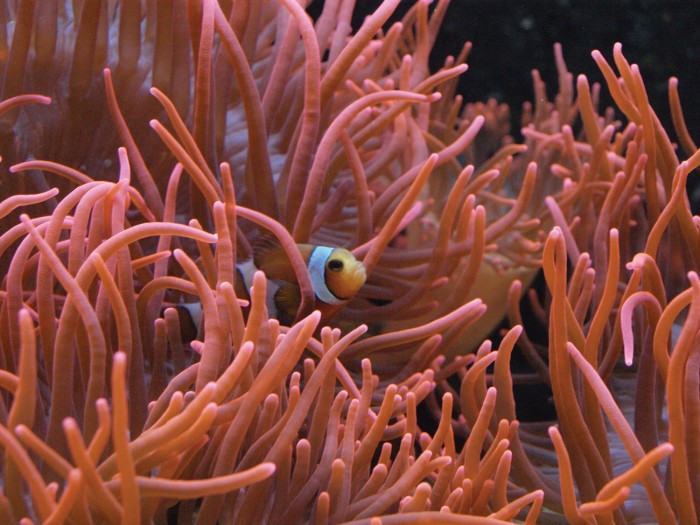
x: 270, y: 257
x: 287, y: 300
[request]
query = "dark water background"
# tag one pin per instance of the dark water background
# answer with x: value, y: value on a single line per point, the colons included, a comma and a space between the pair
x: 510, y: 38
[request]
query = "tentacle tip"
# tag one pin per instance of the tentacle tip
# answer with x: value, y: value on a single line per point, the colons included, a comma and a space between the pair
x: 268, y: 467
x: 555, y: 234
x: 69, y: 424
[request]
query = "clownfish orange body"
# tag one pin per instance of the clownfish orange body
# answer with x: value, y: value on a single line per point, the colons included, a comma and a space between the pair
x: 335, y: 274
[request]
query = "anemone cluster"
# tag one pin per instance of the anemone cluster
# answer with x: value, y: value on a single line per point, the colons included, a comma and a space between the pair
x: 147, y: 148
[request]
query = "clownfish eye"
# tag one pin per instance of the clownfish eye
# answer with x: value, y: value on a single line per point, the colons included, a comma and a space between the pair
x: 335, y: 265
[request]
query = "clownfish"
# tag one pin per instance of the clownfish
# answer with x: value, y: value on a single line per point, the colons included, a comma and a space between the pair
x: 335, y: 274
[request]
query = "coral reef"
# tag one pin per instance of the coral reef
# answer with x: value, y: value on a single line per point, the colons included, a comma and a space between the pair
x: 148, y: 147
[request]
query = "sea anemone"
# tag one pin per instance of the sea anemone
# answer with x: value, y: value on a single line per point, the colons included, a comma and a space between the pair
x: 147, y: 148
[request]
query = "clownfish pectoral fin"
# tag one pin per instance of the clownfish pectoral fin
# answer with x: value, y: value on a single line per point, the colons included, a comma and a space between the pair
x: 270, y: 257
x: 287, y: 300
